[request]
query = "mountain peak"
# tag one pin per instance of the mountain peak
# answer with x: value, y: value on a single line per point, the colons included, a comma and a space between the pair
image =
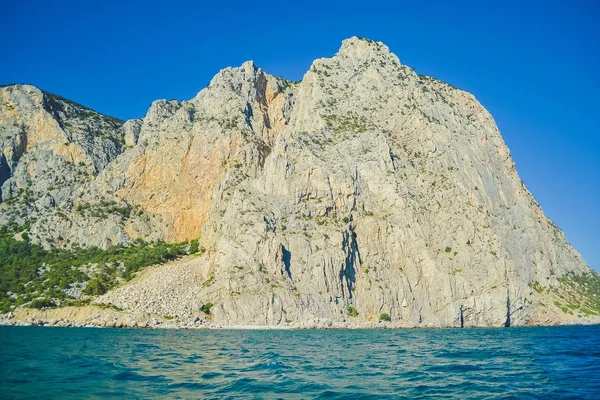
x: 249, y: 66
x: 388, y: 192
x: 358, y: 47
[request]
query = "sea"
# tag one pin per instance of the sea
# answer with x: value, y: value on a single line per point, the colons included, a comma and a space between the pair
x: 499, y: 363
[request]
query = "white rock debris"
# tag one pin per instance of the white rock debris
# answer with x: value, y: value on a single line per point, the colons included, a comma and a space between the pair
x: 364, y: 185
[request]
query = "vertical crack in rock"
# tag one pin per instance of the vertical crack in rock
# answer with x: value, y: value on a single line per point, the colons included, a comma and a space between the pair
x: 418, y: 166
x: 507, y: 321
x: 261, y: 86
x: 4, y: 174
x: 286, y: 258
x: 351, y: 262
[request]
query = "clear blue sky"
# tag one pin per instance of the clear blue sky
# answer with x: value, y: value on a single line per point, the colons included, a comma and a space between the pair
x: 535, y: 67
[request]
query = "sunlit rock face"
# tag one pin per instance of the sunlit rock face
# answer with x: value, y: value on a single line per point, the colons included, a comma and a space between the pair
x: 364, y: 185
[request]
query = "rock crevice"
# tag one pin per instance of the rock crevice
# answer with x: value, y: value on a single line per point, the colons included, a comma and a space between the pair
x: 365, y: 185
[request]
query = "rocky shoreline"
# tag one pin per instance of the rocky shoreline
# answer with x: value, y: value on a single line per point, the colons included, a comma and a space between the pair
x: 365, y: 191
x: 92, y: 316
x: 98, y: 317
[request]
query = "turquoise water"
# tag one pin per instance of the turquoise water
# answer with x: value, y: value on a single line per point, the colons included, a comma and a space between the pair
x: 524, y: 363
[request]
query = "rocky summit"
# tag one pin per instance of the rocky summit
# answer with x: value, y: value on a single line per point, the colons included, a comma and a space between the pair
x: 363, y: 195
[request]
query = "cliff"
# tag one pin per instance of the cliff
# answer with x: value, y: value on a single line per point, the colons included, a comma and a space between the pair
x: 363, y: 190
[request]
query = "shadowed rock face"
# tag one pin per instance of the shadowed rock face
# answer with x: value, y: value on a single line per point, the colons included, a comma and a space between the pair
x: 364, y: 185
x: 50, y: 148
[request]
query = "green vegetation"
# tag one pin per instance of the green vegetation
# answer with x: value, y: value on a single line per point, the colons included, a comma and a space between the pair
x: 537, y: 287
x: 31, y: 274
x: 284, y: 84
x: 209, y: 281
x: 577, y: 293
x: 385, y: 317
x: 559, y: 305
x: 430, y: 79
x: 351, y: 311
x: 42, y: 303
x: 105, y: 306
x: 368, y: 41
x: 104, y: 208
x: 22, y: 197
x: 353, y: 123
x: 580, y: 292
x: 229, y: 124
x: 448, y: 249
x: 83, y: 111
x: 206, y: 308
x: 194, y: 247
x: 81, y: 302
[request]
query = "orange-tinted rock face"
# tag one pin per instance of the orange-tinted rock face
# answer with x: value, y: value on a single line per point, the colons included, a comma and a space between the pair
x: 184, y: 151
x: 50, y: 147
x: 176, y: 182
x: 366, y: 185
x: 176, y: 179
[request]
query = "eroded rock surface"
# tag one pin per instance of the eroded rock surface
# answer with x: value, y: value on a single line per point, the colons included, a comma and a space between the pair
x: 364, y: 185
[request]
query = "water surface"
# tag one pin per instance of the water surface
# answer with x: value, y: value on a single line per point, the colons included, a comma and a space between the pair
x: 529, y: 363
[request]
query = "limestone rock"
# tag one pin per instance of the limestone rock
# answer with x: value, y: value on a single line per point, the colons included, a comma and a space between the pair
x: 363, y: 187
x: 50, y: 148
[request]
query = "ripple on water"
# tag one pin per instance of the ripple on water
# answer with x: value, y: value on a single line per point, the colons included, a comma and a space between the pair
x: 135, y: 377
x: 211, y: 375
x: 562, y: 362
x: 189, y: 386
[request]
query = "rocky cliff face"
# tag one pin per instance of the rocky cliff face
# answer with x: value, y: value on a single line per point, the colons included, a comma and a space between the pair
x: 365, y: 188
x: 51, y: 147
